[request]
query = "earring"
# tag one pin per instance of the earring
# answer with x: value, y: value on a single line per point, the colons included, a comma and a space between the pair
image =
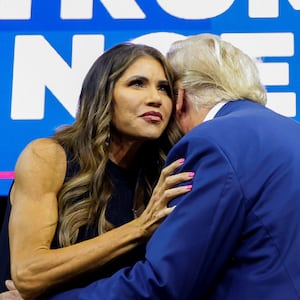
x: 107, y: 141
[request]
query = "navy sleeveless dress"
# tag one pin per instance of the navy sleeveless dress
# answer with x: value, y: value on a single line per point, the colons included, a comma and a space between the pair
x: 119, y: 211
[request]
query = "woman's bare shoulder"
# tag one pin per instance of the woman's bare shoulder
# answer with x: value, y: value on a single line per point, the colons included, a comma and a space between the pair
x: 45, y: 149
x: 40, y: 170
x: 42, y: 156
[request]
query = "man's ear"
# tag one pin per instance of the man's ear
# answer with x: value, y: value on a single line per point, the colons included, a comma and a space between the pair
x: 181, y: 102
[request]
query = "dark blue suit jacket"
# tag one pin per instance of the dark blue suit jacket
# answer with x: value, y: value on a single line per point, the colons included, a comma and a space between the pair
x: 236, y: 236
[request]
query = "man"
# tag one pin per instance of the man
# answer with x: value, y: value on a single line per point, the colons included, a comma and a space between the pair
x: 236, y: 235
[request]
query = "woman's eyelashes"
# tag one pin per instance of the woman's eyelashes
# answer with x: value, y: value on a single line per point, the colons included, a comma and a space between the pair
x: 137, y: 82
x: 162, y: 86
x: 165, y: 87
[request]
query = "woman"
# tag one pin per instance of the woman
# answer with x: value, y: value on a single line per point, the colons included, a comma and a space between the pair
x: 95, y: 175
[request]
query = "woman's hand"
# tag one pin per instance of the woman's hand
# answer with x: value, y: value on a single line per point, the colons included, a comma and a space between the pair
x: 165, y: 190
x: 12, y: 293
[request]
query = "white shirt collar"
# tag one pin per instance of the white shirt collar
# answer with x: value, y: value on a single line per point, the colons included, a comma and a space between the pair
x: 211, y: 114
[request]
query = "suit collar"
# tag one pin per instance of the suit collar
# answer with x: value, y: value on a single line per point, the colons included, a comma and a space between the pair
x: 213, y: 112
x: 235, y: 105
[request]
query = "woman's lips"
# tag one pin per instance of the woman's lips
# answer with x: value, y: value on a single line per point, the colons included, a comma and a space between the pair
x: 152, y: 116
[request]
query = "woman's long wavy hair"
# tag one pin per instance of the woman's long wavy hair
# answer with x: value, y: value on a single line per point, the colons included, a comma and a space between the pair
x: 83, y: 198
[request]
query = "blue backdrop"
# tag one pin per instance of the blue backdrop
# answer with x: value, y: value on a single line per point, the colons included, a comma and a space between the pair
x: 46, y: 47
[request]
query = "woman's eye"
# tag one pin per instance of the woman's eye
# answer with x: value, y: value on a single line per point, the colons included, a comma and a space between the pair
x: 165, y: 88
x: 136, y: 82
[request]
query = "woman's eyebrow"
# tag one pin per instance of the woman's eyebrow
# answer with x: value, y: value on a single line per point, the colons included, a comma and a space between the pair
x: 163, y: 81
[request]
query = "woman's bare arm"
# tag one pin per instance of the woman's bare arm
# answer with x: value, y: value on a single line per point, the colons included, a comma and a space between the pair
x: 40, y: 172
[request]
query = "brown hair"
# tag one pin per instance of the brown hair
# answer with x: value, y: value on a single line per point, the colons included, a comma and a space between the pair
x: 86, y: 140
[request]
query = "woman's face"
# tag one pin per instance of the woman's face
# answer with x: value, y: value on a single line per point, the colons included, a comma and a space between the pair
x: 142, y: 107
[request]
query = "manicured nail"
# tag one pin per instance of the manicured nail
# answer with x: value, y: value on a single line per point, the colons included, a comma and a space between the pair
x: 189, y: 187
x: 181, y: 160
x: 191, y: 174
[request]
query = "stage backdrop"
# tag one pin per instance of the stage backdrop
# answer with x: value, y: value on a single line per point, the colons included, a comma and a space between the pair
x: 46, y: 48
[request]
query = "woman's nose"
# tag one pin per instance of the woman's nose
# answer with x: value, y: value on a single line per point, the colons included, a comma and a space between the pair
x: 155, y: 98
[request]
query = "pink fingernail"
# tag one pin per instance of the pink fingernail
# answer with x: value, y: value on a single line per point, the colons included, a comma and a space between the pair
x: 181, y: 160
x: 191, y: 174
x: 189, y: 187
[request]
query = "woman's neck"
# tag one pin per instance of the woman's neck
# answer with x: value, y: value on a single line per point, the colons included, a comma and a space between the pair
x: 123, y: 154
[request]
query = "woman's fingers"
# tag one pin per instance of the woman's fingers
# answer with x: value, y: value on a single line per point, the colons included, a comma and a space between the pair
x: 10, y: 285
x: 10, y: 295
x: 171, y: 168
x: 177, y: 191
x: 169, y: 186
x: 163, y: 213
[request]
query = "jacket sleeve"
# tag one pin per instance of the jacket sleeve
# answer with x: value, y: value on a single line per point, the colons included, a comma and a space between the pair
x: 188, y: 251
